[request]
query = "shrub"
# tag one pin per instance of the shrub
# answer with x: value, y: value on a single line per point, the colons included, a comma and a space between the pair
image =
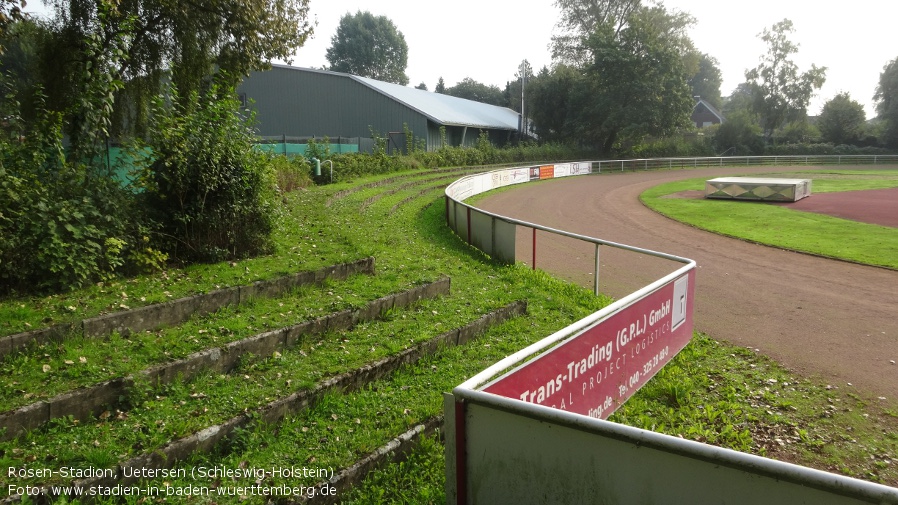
x: 291, y: 173
x: 62, y: 223
x: 210, y: 193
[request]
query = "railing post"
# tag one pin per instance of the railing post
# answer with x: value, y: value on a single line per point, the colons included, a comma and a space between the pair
x: 596, y: 281
x: 469, y: 224
x: 534, y: 249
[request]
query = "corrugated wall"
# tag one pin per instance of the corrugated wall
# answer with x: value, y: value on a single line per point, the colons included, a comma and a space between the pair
x: 308, y: 103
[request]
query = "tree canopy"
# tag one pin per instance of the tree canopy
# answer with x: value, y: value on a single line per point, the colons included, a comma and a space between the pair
x: 132, y: 48
x: 192, y: 39
x: 625, y: 76
x: 369, y: 46
x: 706, y: 82
x: 779, y: 92
x: 10, y: 12
x: 887, y: 102
x: 580, y: 18
x: 842, y: 120
x: 472, y: 90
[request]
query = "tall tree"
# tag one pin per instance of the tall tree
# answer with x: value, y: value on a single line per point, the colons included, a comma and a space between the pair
x: 145, y: 43
x: 842, y: 120
x: 887, y: 102
x: 369, y: 46
x: 780, y: 93
x: 441, y: 86
x: 636, y: 84
x: 550, y: 102
x: 192, y: 38
x: 580, y: 18
x: 10, y: 12
x: 472, y: 90
x: 706, y: 82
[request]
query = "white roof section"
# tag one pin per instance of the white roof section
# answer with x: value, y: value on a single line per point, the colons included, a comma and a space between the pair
x: 439, y: 108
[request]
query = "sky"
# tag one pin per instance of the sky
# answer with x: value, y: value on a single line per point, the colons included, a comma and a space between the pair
x: 486, y: 40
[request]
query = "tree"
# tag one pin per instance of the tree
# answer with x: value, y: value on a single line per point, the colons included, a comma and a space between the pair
x: 887, y: 102
x: 780, y: 93
x: 549, y: 100
x: 842, y: 120
x: 706, y: 82
x: 472, y: 90
x: 10, y: 12
x: 579, y: 19
x: 440, y: 87
x: 739, y: 100
x: 193, y: 39
x: 636, y: 84
x: 739, y: 135
x: 146, y: 43
x: 369, y: 46
x: 421, y: 86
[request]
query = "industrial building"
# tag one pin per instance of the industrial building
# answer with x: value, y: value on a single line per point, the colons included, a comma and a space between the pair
x: 293, y: 102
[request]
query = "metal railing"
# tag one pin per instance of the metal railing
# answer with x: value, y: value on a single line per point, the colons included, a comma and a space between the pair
x: 469, y: 209
x: 672, y: 163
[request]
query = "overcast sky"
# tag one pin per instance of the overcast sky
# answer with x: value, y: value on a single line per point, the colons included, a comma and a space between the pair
x: 487, y: 39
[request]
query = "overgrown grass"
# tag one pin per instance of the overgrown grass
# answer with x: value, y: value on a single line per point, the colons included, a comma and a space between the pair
x: 782, y: 227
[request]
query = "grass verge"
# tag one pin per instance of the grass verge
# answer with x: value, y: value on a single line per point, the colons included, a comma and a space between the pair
x: 781, y: 227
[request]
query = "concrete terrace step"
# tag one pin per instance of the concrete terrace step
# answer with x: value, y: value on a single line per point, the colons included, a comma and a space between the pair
x: 174, y: 312
x: 273, y: 413
x: 90, y: 401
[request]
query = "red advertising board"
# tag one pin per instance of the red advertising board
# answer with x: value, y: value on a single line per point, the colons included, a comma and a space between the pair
x: 547, y: 171
x: 597, y: 370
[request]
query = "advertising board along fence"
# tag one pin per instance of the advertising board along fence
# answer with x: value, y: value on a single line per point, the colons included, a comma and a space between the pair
x: 537, y: 434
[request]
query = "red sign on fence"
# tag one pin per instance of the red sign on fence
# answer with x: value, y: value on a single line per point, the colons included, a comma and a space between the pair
x: 597, y: 370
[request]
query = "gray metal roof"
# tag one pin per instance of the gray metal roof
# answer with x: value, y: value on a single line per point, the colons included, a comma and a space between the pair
x: 439, y: 108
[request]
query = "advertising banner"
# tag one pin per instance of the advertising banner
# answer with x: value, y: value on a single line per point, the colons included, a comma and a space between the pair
x: 534, y: 173
x: 516, y: 176
x: 582, y: 168
x: 597, y: 370
x: 546, y: 171
x: 562, y: 169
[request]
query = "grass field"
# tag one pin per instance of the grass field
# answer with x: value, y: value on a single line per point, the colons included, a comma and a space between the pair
x: 711, y: 392
x: 789, y: 229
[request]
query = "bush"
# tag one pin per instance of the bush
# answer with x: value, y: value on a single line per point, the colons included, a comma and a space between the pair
x: 673, y: 147
x: 210, y: 194
x: 823, y: 150
x: 62, y: 223
x: 291, y: 173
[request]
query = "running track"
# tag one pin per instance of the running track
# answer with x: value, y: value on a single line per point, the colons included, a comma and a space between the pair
x: 821, y: 318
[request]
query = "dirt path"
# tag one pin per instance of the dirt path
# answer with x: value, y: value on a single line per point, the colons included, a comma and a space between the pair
x: 819, y: 317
